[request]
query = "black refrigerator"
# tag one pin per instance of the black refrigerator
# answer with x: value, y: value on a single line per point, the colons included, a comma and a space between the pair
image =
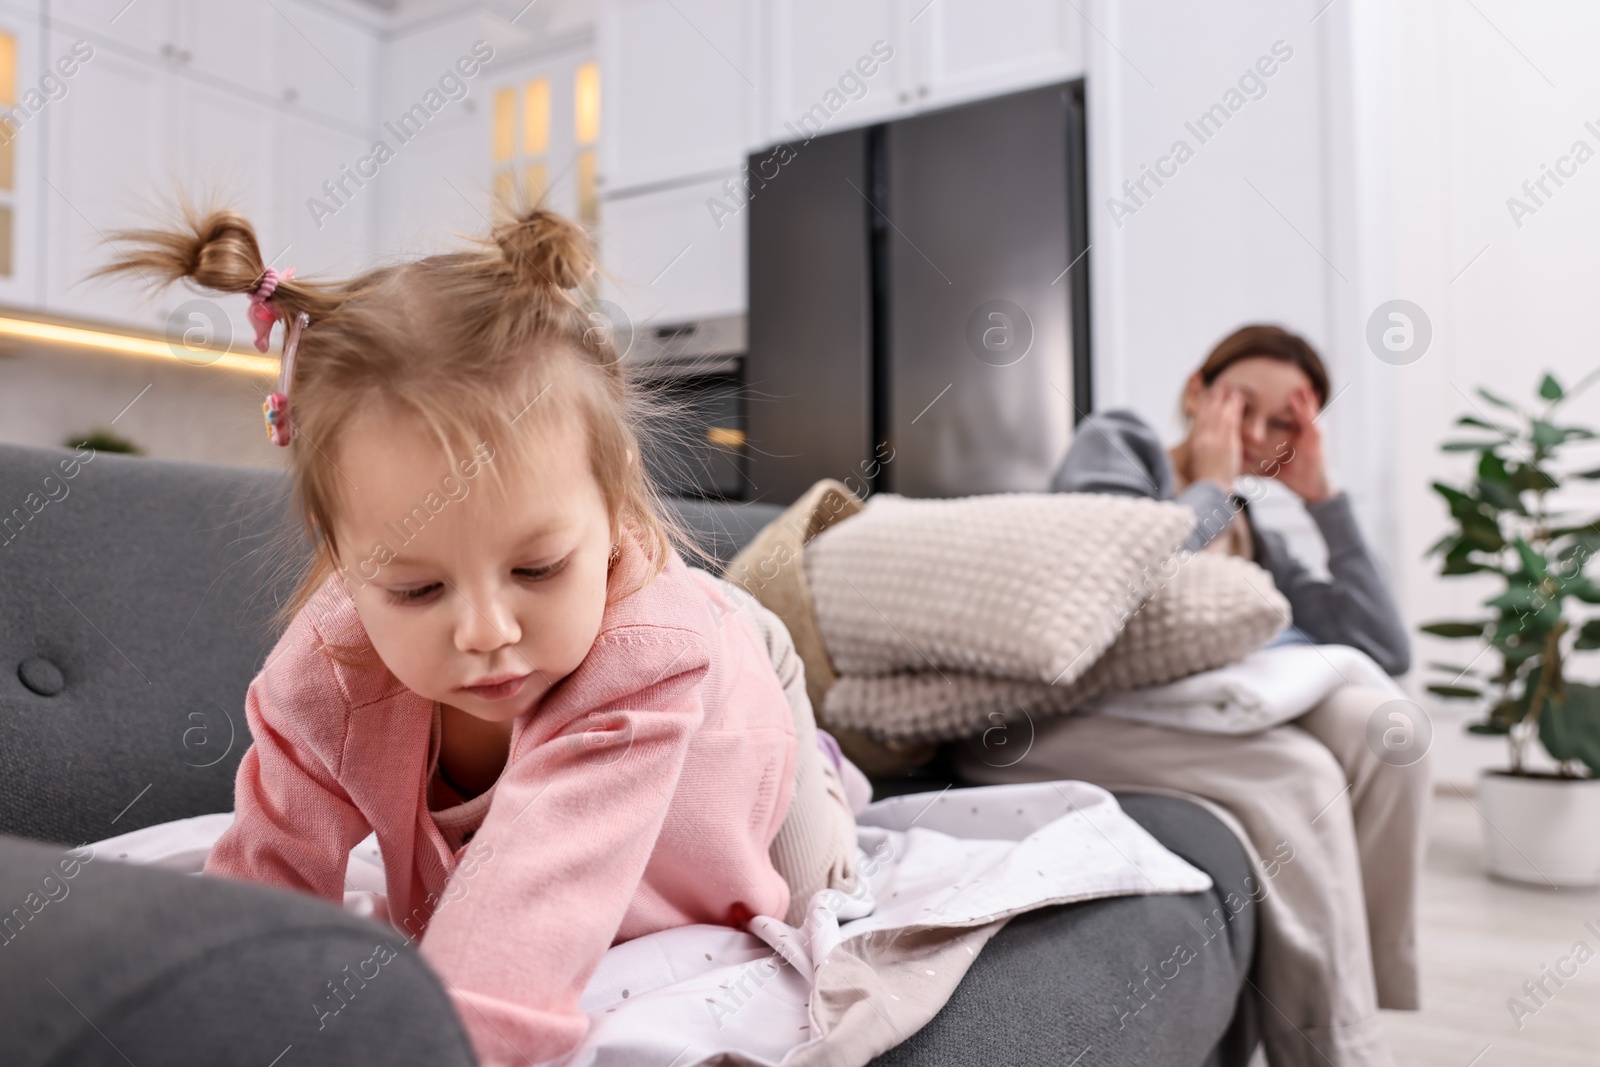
x: 919, y: 302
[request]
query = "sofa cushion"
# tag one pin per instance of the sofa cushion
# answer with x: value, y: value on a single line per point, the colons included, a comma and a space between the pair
x: 150, y: 587
x: 138, y: 602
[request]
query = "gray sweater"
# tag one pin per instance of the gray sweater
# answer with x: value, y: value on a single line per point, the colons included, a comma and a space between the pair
x: 1116, y: 452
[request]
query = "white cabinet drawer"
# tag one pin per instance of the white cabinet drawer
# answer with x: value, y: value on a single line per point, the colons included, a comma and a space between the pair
x: 667, y: 259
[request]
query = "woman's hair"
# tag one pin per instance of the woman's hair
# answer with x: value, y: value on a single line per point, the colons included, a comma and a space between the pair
x: 1269, y: 342
x: 469, y: 343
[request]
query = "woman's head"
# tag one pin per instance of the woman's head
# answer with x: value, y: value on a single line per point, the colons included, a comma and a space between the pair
x: 464, y: 451
x: 1266, y: 365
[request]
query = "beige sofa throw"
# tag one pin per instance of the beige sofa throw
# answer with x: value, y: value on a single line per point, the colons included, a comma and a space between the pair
x: 1029, y: 586
x: 1213, y: 611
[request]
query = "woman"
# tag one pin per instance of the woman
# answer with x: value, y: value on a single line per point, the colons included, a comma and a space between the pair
x: 1338, y: 914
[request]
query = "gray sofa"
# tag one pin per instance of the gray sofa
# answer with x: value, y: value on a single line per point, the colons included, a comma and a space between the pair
x: 134, y: 605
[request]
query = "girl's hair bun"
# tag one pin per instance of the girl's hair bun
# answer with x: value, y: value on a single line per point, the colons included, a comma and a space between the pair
x: 545, y: 249
x: 216, y: 250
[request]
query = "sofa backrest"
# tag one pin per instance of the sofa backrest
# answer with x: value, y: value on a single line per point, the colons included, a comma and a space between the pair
x: 136, y: 599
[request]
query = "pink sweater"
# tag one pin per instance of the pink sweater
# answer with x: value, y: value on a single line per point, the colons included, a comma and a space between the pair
x: 640, y: 794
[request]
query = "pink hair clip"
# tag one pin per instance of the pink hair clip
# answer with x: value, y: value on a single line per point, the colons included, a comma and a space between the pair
x: 280, y: 428
x: 262, y: 316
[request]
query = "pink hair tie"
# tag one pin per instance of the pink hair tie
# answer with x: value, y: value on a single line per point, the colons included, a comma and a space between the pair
x: 262, y: 316
x: 280, y: 428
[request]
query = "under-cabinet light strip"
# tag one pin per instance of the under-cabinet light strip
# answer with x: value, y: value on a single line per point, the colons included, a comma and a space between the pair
x: 134, y: 345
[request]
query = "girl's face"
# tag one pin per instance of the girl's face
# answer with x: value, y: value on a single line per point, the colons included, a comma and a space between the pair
x: 476, y: 597
x: 1269, y: 425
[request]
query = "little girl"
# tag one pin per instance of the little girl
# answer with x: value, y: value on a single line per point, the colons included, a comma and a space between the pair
x: 496, y: 647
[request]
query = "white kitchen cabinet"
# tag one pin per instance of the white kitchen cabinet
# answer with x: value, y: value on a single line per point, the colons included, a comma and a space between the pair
x: 224, y: 145
x: 436, y: 188
x: 327, y: 65
x: 680, y: 97
x: 943, y: 52
x: 314, y: 240
x: 109, y: 146
x: 226, y: 41
x: 667, y: 258
x: 970, y: 49
x: 140, y: 26
x: 217, y: 102
x: 836, y: 64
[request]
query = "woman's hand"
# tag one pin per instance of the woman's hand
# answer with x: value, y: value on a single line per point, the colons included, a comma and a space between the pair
x: 1303, y: 469
x: 1215, y: 449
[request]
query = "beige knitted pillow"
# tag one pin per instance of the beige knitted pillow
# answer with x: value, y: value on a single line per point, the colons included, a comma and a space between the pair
x: 1213, y: 611
x: 1029, y: 586
x: 769, y: 568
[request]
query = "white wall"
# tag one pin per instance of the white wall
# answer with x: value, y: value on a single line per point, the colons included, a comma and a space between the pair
x: 1251, y: 228
x: 169, y: 409
x: 1391, y: 142
x: 1484, y: 98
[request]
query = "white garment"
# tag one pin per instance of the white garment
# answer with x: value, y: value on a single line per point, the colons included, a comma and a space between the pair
x: 1265, y: 689
x: 962, y: 861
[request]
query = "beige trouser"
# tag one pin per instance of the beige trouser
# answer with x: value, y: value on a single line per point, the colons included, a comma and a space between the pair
x: 1338, y: 836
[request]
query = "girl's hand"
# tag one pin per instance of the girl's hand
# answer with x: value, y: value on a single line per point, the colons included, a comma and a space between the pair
x: 1303, y: 468
x: 1215, y: 449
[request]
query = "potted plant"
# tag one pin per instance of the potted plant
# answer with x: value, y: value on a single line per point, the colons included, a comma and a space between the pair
x: 1540, y: 827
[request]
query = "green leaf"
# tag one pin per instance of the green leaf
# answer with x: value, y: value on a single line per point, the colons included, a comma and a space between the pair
x: 1570, y: 727
x: 1499, y: 402
x: 1526, y: 477
x: 1507, y: 713
x: 1517, y: 598
x: 1455, y: 629
x: 1454, y: 497
x: 1589, y: 636
x: 1454, y: 564
x: 1500, y: 495
x: 1491, y: 468
x: 1532, y: 562
x: 1453, y: 668
x: 1546, y: 435
x: 1468, y: 446
x: 1481, y: 532
x: 1481, y: 424
x: 1550, y: 389
x: 1521, y: 653
x: 1455, y: 692
x: 1584, y: 589
x: 1570, y: 531
x: 1488, y: 728
x: 1588, y: 474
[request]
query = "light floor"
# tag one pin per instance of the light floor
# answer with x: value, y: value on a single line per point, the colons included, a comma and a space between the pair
x: 1480, y: 940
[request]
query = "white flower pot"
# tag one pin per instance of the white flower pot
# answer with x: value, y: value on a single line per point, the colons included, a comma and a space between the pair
x: 1541, y: 830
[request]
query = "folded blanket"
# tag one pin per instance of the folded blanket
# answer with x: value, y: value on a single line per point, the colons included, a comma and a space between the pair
x: 1212, y: 610
x: 948, y: 871
x: 1265, y: 689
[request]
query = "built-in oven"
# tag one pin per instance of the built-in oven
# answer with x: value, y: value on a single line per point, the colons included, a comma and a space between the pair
x: 691, y: 379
